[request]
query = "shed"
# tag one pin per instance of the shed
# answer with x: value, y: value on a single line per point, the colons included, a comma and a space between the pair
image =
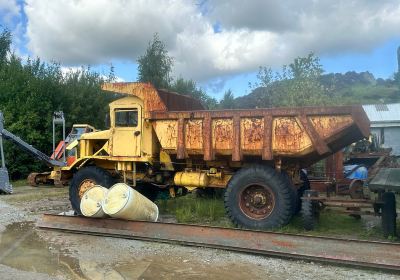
x: 385, y: 124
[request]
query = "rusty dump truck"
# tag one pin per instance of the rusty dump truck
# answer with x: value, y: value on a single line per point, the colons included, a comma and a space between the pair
x: 160, y: 140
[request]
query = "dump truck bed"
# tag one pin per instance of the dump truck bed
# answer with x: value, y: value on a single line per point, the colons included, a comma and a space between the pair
x: 308, y: 133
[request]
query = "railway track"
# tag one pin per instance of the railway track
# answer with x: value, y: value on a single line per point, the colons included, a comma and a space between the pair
x: 348, y: 252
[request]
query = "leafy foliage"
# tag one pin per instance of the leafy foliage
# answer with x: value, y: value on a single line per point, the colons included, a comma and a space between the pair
x: 298, y: 84
x: 228, y: 101
x: 29, y: 94
x: 155, y: 65
x: 189, y: 87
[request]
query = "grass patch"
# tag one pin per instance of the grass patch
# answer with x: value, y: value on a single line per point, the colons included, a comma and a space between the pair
x: 19, y: 183
x: 211, y: 211
x: 188, y: 209
x: 332, y: 223
x: 27, y: 193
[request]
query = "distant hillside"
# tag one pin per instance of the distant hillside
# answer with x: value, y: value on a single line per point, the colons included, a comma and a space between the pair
x: 348, y: 88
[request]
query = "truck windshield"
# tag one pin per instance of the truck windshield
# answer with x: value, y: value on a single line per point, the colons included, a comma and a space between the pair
x: 126, y: 118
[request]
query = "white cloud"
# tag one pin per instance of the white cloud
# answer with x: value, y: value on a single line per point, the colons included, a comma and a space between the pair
x: 251, y: 33
x: 8, y: 10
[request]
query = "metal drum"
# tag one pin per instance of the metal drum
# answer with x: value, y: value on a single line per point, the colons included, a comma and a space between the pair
x: 91, y: 202
x: 124, y: 202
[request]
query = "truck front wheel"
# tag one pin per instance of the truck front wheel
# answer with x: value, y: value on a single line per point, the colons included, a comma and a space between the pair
x: 258, y: 197
x: 83, y: 180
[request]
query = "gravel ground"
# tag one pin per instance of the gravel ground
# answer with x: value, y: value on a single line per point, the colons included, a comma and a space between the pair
x: 72, y: 256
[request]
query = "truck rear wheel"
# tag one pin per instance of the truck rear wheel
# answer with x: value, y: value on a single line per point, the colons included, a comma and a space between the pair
x: 258, y: 197
x: 83, y: 180
x: 389, y: 214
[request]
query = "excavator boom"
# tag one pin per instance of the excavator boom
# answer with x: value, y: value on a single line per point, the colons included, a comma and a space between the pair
x: 5, y: 186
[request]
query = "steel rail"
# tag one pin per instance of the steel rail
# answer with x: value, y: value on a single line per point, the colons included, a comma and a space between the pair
x: 347, y: 252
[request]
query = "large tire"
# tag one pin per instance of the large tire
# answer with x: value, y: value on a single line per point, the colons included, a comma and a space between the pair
x: 295, y: 199
x: 389, y: 214
x: 148, y: 190
x: 300, y: 191
x: 83, y: 180
x: 258, y: 197
x: 309, y: 213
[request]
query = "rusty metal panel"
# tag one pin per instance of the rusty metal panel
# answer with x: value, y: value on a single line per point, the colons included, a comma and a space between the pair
x: 252, y: 134
x: 289, y: 137
x: 308, y: 133
x: 328, y: 125
x: 155, y: 99
x: 194, y: 135
x: 222, y: 135
x: 181, y: 148
x: 236, y: 150
x: 145, y: 91
x: 167, y: 133
x: 207, y: 135
x: 318, y: 143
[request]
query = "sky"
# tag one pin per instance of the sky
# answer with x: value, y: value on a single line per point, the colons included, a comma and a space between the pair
x: 220, y: 44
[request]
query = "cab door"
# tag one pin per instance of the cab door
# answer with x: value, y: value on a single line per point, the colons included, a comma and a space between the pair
x: 127, y: 131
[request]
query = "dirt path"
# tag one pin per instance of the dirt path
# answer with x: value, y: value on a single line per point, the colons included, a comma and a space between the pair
x: 29, y: 253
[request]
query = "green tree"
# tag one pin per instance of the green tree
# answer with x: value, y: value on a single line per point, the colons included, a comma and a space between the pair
x: 397, y: 79
x: 228, y: 101
x: 29, y: 94
x: 297, y: 84
x: 155, y: 65
x: 189, y: 87
x: 5, y: 45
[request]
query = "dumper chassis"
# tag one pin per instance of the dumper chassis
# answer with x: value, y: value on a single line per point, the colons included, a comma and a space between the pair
x: 160, y: 140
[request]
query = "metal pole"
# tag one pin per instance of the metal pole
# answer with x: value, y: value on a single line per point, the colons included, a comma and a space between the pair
x: 54, y: 137
x: 63, y: 123
x: 3, y: 163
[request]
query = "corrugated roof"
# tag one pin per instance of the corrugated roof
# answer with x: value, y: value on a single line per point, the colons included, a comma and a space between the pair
x: 382, y: 113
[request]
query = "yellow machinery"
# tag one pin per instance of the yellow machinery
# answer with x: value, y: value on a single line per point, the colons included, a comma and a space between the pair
x: 163, y: 140
x: 69, y: 147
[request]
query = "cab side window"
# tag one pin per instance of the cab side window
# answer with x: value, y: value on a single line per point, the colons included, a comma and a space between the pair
x: 126, y: 118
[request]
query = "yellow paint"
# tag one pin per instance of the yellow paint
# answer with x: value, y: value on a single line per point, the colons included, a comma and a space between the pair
x: 165, y: 159
x: 191, y: 179
x: 167, y: 133
x: 72, y: 145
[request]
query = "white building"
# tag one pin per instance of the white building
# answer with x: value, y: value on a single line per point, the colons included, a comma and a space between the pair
x: 385, y: 124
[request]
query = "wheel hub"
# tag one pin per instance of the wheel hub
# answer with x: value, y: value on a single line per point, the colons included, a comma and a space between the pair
x: 84, y: 186
x: 257, y: 201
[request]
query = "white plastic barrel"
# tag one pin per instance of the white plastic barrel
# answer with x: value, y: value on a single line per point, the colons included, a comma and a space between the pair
x: 91, y: 202
x: 124, y: 202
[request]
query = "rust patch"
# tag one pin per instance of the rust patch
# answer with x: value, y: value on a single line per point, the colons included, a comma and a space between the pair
x: 280, y: 243
x: 252, y: 131
x: 328, y: 125
x: 167, y: 133
x: 288, y: 136
x: 194, y: 132
x: 222, y: 131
